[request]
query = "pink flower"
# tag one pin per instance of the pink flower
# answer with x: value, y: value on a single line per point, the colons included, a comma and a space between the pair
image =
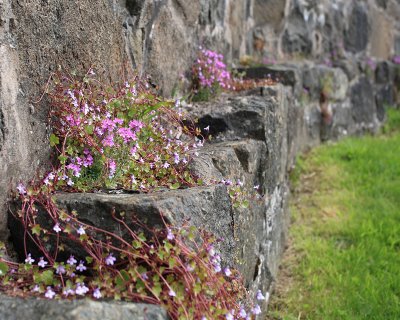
x: 108, y: 125
x: 127, y: 134
x: 109, y: 141
x: 113, y: 167
x: 136, y: 125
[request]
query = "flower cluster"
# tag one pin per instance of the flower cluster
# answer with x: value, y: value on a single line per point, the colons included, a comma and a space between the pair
x: 210, y: 70
x: 120, y: 137
x: 210, y: 74
x: 170, y: 267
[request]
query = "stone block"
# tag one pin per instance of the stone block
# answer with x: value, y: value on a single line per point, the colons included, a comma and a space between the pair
x: 12, y: 308
x: 358, y: 30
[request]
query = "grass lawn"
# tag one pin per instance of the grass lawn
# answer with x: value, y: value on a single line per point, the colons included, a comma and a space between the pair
x: 343, y: 260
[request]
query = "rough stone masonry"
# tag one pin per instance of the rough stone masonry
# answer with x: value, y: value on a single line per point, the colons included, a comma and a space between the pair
x: 324, y: 48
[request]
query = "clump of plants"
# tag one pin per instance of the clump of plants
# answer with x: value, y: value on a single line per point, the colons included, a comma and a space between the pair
x: 210, y: 75
x: 121, y: 137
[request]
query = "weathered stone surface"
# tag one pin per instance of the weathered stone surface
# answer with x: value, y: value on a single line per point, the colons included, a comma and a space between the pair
x: 384, y: 99
x: 381, y: 38
x: 384, y: 72
x: 382, y: 3
x: 363, y: 102
x: 357, y: 33
x: 18, y: 308
x: 284, y: 74
x: 332, y: 82
x: 296, y: 37
x: 35, y: 38
x: 203, y: 206
x: 269, y: 12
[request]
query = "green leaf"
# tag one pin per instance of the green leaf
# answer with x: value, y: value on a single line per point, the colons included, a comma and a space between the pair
x: 3, y: 269
x: 245, y: 204
x: 62, y: 159
x: 36, y: 229
x: 197, y: 288
x: 175, y: 186
x: 54, y: 140
x: 157, y: 289
x: 142, y: 237
x: 45, y: 277
x: 89, y: 260
x: 136, y: 244
x: 172, y: 262
x: 89, y: 129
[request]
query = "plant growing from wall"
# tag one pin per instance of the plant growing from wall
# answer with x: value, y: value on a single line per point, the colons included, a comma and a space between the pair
x: 210, y: 75
x: 123, y: 137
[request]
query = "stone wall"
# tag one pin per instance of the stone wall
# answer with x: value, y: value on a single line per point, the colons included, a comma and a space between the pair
x: 329, y: 88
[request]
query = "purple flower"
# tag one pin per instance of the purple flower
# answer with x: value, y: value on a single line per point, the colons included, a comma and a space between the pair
x: 144, y: 276
x: 71, y: 260
x: 60, y: 269
x: 49, y: 293
x: 81, y: 267
x: 29, y: 259
x: 109, y: 141
x: 229, y: 316
x: 170, y: 235
x: 113, y: 167
x: 57, y: 228
x: 21, y: 189
x: 166, y: 165
x: 171, y: 293
x: 36, y: 288
x: 68, y: 292
x: 42, y: 263
x: 242, y: 313
x: 260, y: 296
x: 97, y: 293
x: 108, y: 124
x: 76, y: 168
x: 227, y: 272
x: 176, y: 158
x: 110, y: 260
x: 81, y: 231
x: 127, y: 134
x: 136, y: 125
x: 207, y: 128
x: 256, y: 310
x: 81, y: 289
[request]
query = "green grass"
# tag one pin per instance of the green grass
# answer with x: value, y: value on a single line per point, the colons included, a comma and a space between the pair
x: 344, y: 257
